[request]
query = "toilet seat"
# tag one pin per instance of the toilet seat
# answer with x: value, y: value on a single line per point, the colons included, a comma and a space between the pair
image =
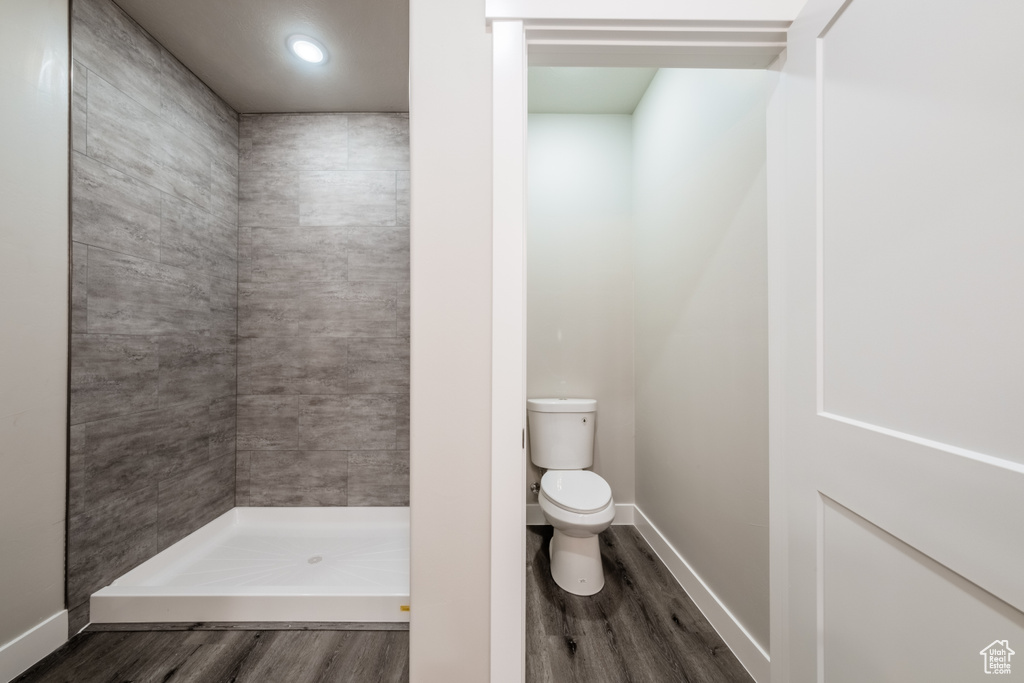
x: 578, y: 491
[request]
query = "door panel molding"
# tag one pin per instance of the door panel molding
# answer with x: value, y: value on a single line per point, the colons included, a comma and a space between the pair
x: 924, y: 496
x: 881, y: 443
x: 930, y: 608
x: 918, y: 337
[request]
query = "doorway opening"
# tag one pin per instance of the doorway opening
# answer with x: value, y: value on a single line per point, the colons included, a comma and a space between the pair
x: 646, y: 289
x: 518, y: 45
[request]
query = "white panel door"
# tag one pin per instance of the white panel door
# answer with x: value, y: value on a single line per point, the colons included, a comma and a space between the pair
x: 898, y: 330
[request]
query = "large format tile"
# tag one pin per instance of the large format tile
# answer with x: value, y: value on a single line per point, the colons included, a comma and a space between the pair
x: 79, y: 288
x: 76, y: 471
x: 158, y: 144
x: 377, y: 366
x: 223, y: 307
x: 404, y: 309
x: 267, y: 423
x: 186, y: 165
x: 192, y: 498
x: 185, y: 102
x: 268, y: 198
x: 298, y: 478
x: 303, y: 142
x: 349, y: 309
x: 222, y: 133
x: 294, y: 254
x: 125, y: 135
x: 403, y: 189
x: 292, y: 365
x: 402, y: 422
x: 244, y: 254
x: 378, y: 478
x: 128, y: 295
x: 106, y: 41
x: 127, y: 453
x: 223, y: 413
x: 115, y: 520
x: 221, y: 250
x: 112, y: 375
x: 269, y: 310
x: 379, y: 253
x: 357, y: 198
x: 132, y: 139
x: 324, y: 309
x: 224, y: 189
x: 112, y: 210
x: 196, y: 367
x: 79, y: 107
x: 184, y: 230
x: 243, y: 460
x: 111, y: 537
x: 357, y: 422
x: 378, y: 142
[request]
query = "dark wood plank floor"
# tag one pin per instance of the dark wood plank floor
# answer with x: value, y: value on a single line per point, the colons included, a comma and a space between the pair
x: 641, y: 628
x: 201, y: 656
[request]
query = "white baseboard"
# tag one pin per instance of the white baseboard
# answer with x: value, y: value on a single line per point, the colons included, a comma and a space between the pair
x: 535, y: 517
x: 751, y: 655
x: 33, y: 645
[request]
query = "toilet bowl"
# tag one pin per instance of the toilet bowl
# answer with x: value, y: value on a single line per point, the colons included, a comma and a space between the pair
x: 576, y: 502
x: 579, y: 505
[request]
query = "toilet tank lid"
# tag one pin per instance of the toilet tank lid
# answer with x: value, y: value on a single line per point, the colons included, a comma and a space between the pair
x: 561, y: 405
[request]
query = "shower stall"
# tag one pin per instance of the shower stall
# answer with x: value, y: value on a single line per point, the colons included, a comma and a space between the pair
x: 239, y: 349
x: 339, y: 564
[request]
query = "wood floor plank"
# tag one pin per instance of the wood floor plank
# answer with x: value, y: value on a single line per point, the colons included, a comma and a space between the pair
x: 290, y: 656
x: 683, y: 622
x: 217, y: 657
x: 384, y: 660
x: 588, y: 659
x: 205, y: 656
x: 647, y: 629
x: 59, y: 667
x: 641, y: 627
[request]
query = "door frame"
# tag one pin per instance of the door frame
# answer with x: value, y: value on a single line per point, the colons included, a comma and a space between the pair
x: 656, y: 33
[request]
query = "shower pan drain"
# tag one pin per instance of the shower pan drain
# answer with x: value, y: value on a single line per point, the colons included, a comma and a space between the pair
x: 315, y: 559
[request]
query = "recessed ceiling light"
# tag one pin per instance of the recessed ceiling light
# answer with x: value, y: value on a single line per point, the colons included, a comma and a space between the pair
x: 308, y: 49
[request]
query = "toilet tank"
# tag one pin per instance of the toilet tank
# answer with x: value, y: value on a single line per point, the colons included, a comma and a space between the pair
x: 561, y: 432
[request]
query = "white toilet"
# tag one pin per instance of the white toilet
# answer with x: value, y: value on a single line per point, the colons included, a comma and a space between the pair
x: 577, y: 503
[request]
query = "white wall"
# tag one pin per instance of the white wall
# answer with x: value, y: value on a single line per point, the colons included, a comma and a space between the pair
x: 33, y: 311
x: 450, y: 138
x: 701, y: 328
x: 580, y: 278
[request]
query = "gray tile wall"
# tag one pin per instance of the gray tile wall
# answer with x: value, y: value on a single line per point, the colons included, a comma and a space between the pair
x: 154, y: 301
x: 323, y: 317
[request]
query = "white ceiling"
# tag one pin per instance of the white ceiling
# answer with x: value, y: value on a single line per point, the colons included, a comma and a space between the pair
x: 586, y: 90
x: 237, y: 47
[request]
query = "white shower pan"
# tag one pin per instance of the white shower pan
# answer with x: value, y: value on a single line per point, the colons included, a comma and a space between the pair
x: 272, y: 564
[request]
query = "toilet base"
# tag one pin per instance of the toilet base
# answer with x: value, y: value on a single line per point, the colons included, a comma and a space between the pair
x: 576, y: 563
